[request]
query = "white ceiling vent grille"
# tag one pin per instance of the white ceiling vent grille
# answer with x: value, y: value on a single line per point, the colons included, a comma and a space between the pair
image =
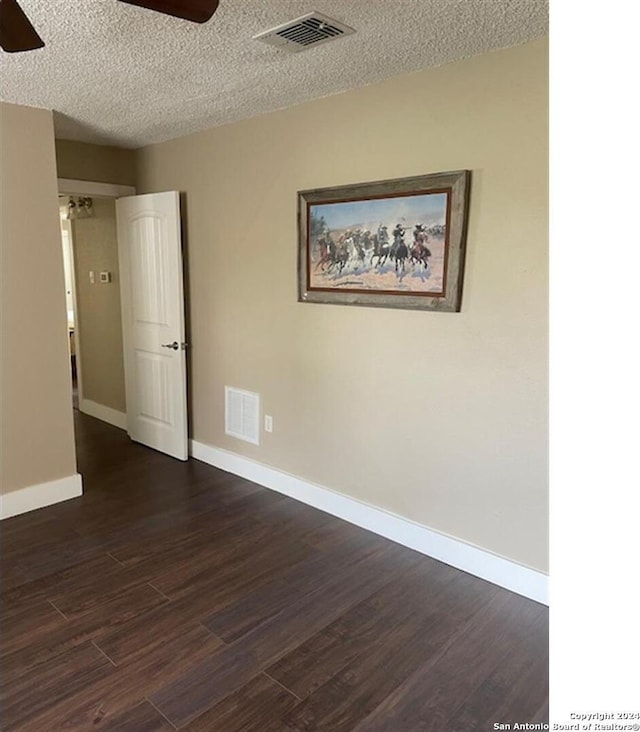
x: 308, y: 30
x: 242, y: 414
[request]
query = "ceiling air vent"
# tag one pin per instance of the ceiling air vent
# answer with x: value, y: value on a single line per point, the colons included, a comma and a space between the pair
x: 308, y: 30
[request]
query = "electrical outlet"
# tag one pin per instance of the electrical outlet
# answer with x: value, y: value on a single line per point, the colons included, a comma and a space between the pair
x: 268, y: 423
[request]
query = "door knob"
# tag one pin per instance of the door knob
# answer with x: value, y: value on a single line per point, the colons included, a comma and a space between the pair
x: 175, y: 345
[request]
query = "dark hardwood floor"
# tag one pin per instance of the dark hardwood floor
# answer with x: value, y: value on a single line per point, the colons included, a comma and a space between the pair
x: 176, y: 596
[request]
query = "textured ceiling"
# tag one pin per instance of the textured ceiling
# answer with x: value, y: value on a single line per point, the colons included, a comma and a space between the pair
x: 119, y: 74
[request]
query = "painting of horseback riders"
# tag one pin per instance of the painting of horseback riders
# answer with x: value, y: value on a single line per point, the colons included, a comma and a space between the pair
x: 378, y: 244
x: 393, y: 244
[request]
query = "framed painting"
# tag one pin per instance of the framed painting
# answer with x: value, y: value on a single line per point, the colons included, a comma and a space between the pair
x: 395, y: 243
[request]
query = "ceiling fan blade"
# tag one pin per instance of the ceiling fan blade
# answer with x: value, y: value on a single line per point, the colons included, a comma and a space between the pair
x: 16, y: 32
x: 198, y: 11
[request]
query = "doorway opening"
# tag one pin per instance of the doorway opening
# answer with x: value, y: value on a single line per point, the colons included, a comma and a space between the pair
x: 90, y: 255
x: 124, y: 284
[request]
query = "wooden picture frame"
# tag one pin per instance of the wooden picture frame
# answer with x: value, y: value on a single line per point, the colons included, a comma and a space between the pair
x: 393, y: 243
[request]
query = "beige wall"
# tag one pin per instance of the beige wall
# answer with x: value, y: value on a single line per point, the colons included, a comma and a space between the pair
x: 37, y: 425
x: 95, y: 248
x: 98, y: 163
x: 441, y: 418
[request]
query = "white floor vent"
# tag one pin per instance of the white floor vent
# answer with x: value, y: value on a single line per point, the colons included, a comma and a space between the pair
x: 242, y: 414
x: 308, y: 30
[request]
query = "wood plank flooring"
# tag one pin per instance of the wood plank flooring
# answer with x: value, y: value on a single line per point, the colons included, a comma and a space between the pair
x: 176, y: 596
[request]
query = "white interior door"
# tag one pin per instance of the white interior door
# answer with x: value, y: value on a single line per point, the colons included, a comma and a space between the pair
x: 152, y: 294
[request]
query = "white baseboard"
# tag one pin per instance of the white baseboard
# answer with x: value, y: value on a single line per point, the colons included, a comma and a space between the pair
x: 40, y: 495
x: 106, y: 414
x: 479, y: 562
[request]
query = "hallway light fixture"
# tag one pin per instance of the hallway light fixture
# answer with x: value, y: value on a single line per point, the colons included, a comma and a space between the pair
x: 82, y: 208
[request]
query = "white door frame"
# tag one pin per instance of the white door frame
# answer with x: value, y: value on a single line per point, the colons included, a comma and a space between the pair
x: 71, y: 187
x: 66, y: 226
